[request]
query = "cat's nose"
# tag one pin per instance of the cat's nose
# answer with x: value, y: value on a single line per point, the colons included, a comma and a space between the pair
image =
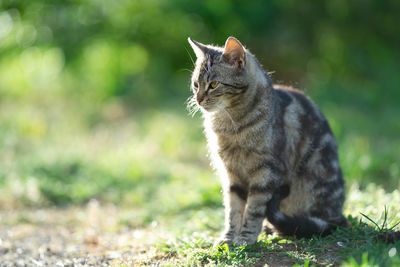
x: 200, y: 98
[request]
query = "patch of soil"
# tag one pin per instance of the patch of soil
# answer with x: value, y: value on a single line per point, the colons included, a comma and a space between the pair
x: 388, y: 237
x: 78, y: 236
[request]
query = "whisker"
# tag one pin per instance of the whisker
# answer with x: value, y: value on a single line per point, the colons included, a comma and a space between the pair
x: 192, y: 106
x: 190, y: 57
x: 186, y: 70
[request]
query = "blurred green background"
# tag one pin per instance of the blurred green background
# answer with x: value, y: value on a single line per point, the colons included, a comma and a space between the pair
x: 92, y: 93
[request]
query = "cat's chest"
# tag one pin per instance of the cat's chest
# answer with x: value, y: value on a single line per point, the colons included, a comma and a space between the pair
x: 232, y: 148
x: 239, y: 152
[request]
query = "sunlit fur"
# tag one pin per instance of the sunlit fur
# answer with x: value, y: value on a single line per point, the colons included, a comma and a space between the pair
x: 271, y: 146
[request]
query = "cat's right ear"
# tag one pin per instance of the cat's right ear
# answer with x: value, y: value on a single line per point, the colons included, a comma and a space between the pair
x: 199, y: 49
x: 234, y: 52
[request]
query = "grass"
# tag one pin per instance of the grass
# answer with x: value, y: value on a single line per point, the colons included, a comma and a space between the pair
x: 154, y: 163
x: 191, y: 245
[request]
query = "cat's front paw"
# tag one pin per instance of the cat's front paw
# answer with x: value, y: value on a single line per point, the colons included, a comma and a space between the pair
x: 223, y: 240
x: 243, y: 241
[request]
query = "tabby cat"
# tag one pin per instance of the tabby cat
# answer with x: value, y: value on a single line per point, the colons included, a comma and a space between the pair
x: 273, y: 149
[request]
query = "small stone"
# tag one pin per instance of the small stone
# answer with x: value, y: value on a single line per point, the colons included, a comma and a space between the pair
x: 20, y: 263
x: 114, y: 255
x: 4, y: 251
x: 37, y: 262
x: 392, y: 252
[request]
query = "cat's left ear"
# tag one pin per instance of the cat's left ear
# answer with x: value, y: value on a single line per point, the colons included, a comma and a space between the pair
x: 199, y: 49
x: 234, y: 52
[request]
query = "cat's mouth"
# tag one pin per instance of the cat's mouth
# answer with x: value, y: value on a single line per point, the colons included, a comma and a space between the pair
x: 208, y: 105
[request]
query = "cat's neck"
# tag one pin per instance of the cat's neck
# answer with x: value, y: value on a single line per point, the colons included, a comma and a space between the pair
x: 258, y: 77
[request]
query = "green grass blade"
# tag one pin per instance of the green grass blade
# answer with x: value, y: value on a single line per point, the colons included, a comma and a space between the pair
x: 369, y: 219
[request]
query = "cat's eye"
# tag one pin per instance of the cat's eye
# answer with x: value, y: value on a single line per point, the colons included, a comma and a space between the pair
x: 213, y: 85
x: 196, y: 85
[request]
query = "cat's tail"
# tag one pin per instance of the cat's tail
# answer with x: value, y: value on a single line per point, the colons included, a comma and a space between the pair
x: 299, y: 226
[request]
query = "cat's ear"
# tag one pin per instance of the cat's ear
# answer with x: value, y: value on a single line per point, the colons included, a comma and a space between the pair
x: 234, y: 52
x: 199, y: 49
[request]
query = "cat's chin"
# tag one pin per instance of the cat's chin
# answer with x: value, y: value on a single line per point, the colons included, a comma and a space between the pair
x: 208, y: 109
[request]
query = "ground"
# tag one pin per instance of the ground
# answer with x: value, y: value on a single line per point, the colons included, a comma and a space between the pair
x: 102, y: 235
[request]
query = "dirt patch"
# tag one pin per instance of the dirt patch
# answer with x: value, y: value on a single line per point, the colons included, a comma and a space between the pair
x: 388, y: 237
x: 289, y: 254
x: 83, y: 236
x: 275, y: 259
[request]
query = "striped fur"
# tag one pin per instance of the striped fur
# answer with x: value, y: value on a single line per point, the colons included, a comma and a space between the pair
x: 263, y: 138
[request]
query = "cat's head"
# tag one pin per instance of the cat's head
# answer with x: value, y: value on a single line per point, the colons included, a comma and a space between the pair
x: 221, y: 74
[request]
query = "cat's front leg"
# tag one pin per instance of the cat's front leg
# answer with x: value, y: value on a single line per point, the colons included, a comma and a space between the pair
x: 234, y: 201
x: 258, y: 196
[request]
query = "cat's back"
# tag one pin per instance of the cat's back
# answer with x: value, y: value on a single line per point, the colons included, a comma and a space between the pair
x: 299, y: 112
x: 291, y: 98
x: 304, y: 129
